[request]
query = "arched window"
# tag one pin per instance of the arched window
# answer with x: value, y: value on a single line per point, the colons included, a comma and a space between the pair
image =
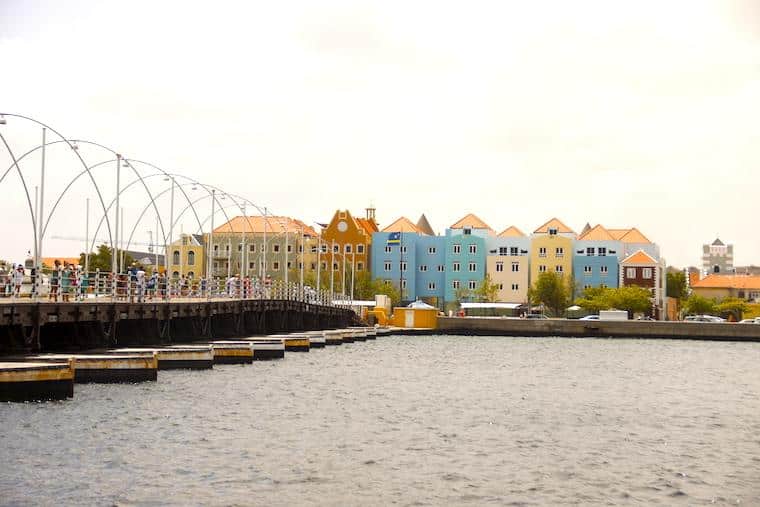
x: 190, y: 274
x: 190, y: 258
x: 716, y: 269
x: 175, y: 257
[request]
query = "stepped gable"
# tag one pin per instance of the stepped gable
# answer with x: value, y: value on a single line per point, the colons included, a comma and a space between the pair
x: 511, y: 232
x: 639, y: 257
x: 554, y: 223
x: 424, y: 226
x: 402, y: 224
x: 471, y: 221
x: 597, y: 233
x: 256, y: 224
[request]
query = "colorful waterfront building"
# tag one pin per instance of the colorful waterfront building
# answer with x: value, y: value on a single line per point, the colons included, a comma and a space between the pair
x: 346, y: 242
x: 551, y: 250
x: 596, y: 259
x: 642, y: 270
x: 507, y: 264
x: 465, y: 258
x: 187, y: 257
x: 408, y: 256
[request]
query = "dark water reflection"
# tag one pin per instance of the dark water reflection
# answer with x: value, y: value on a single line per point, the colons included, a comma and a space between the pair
x: 408, y: 421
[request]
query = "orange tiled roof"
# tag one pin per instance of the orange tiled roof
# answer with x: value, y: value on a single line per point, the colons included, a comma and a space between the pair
x: 554, y: 223
x: 471, y: 221
x: 639, y: 257
x: 402, y: 224
x: 597, y: 233
x: 369, y: 226
x: 256, y: 224
x: 511, y: 232
x: 714, y: 281
x: 50, y: 261
x: 632, y: 235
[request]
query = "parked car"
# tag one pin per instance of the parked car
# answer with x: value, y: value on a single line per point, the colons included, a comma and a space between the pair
x: 536, y: 316
x: 645, y: 317
x: 590, y: 317
x: 756, y: 320
x: 704, y: 318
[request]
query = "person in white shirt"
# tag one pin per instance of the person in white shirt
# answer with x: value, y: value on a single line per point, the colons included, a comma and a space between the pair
x: 18, y: 279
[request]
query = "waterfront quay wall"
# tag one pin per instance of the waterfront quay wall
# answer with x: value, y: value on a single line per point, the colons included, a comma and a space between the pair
x: 62, y: 327
x: 494, y: 326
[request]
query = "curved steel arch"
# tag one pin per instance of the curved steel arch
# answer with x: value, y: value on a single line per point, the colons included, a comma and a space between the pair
x: 26, y: 190
x: 92, y: 179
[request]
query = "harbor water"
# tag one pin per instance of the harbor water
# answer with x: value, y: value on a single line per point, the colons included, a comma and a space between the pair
x: 441, y: 420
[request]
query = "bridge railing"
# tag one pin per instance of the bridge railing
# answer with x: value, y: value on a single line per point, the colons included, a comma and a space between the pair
x: 70, y: 285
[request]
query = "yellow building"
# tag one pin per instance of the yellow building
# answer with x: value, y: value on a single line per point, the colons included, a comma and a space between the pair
x: 347, y: 241
x: 187, y: 256
x: 507, y: 264
x: 551, y: 250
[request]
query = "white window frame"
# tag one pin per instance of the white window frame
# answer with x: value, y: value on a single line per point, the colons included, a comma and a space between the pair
x: 456, y: 267
x: 499, y: 267
x: 515, y: 267
x: 423, y: 268
x: 431, y: 250
x: 542, y: 251
x: 472, y: 267
x: 457, y: 248
x: 387, y: 266
x: 472, y: 285
x: 473, y: 248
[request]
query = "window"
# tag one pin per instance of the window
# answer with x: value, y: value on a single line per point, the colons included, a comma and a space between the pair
x: 603, y: 285
x: 603, y: 270
x: 499, y: 266
x: 503, y: 250
x: 612, y: 252
x: 290, y: 265
x: 250, y: 265
x: 323, y: 248
x: 403, y: 266
x: 336, y: 248
x: 276, y: 248
x: 515, y: 286
x: 542, y: 251
x: 471, y: 285
x: 335, y: 266
x: 500, y: 286
x: 542, y: 268
x: 276, y: 266
x: 440, y: 268
x: 403, y: 284
x: 403, y: 249
x: 590, y: 251
x: 513, y: 250
x: 175, y: 274
x: 300, y: 248
x: 455, y: 284
x: 473, y: 249
x: 216, y: 248
x: 553, y: 231
x: 515, y: 267
x: 347, y: 248
x: 467, y: 232
x: 387, y: 266
x: 558, y: 268
x: 630, y: 272
x: 457, y: 249
x: 559, y: 252
x: 360, y: 249
x: 431, y: 286
x: 587, y: 286
x: 313, y: 266
x: 359, y: 266
x: 431, y: 250
x: 423, y: 268
x: 455, y: 267
x: 323, y: 266
x: 252, y: 248
x: 387, y: 249
x: 227, y: 248
x: 587, y: 270
x: 190, y: 258
x: 300, y: 265
x: 473, y: 266
x: 175, y: 257
x: 240, y: 247
x: 602, y: 251
x: 647, y: 273
x: 290, y: 248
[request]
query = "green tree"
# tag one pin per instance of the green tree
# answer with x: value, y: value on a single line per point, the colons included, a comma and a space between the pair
x: 595, y: 299
x: 733, y: 306
x: 677, y: 287
x: 487, y: 291
x: 551, y: 290
x: 633, y: 299
x: 102, y: 259
x: 698, y: 305
x: 462, y: 294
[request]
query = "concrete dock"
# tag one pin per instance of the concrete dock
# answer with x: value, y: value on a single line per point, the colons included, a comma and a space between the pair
x: 36, y: 381
x: 176, y: 357
x: 333, y: 337
x: 316, y: 339
x: 296, y: 342
x: 232, y: 352
x: 109, y: 368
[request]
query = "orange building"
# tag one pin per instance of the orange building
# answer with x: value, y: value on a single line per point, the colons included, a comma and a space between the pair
x: 349, y: 239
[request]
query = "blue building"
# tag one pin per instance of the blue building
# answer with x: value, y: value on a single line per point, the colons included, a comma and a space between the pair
x: 465, y: 256
x: 416, y: 263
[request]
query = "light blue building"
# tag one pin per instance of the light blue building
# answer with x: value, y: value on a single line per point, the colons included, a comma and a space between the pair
x: 465, y: 255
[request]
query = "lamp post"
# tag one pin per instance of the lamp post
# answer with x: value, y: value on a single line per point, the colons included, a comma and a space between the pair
x: 38, y: 248
x: 114, y: 243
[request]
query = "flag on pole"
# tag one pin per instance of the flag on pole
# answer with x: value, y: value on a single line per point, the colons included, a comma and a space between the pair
x: 394, y: 238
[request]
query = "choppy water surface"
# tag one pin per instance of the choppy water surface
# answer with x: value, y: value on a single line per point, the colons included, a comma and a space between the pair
x: 408, y: 421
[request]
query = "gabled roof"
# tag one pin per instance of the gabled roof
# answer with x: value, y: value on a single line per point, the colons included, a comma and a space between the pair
x: 368, y: 225
x: 597, y: 233
x: 639, y: 257
x: 472, y: 222
x: 402, y: 224
x: 273, y: 225
x: 718, y: 242
x: 554, y: 223
x: 586, y: 228
x: 511, y: 232
x: 632, y: 235
x: 714, y: 281
x: 50, y: 261
x: 424, y: 226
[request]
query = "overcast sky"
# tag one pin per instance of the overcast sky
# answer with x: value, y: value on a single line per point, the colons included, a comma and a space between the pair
x: 622, y: 113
